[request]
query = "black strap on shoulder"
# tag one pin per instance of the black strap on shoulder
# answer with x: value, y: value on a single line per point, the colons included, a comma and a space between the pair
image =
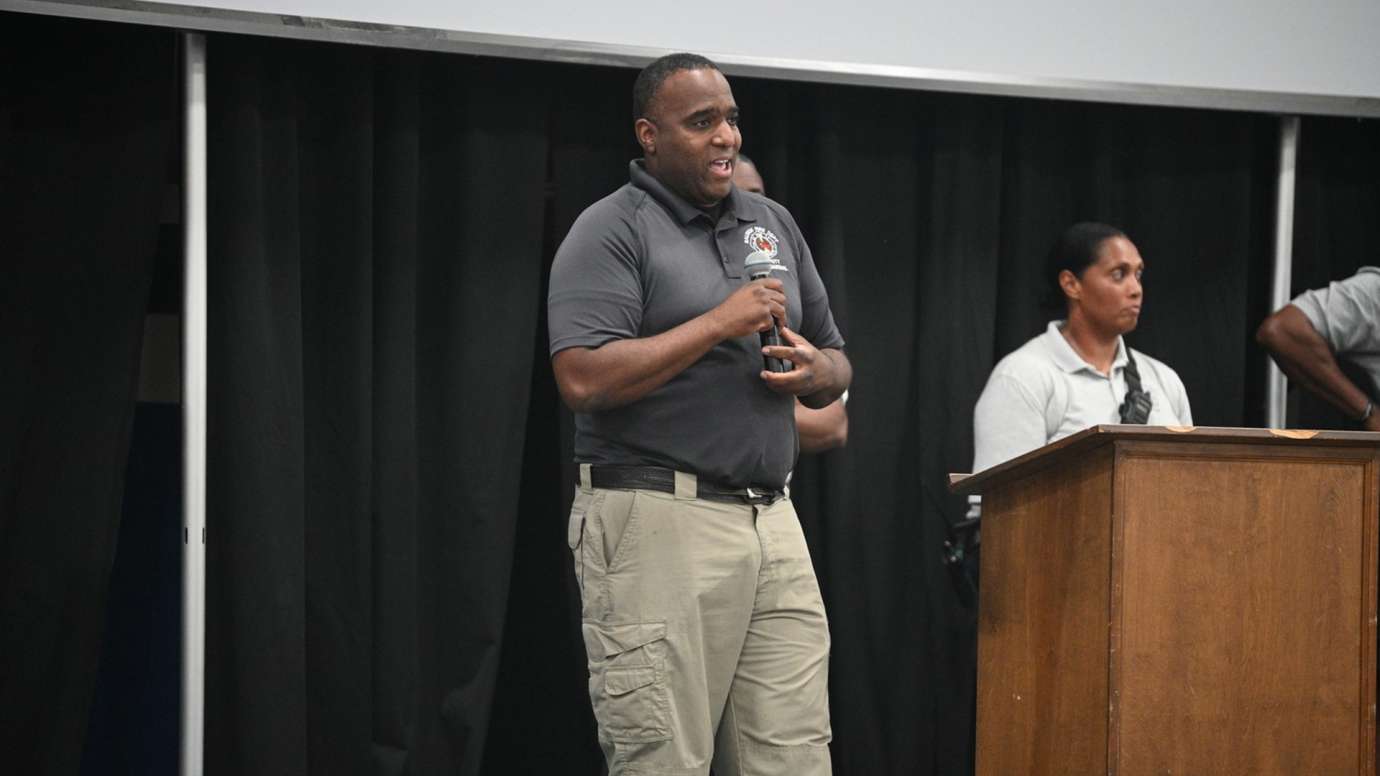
x: 1136, y: 408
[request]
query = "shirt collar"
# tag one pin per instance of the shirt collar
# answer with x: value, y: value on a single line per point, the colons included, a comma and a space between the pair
x: 1067, y: 359
x: 733, y: 204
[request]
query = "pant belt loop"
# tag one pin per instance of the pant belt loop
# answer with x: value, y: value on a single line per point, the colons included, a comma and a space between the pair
x: 687, y: 487
x: 586, y: 484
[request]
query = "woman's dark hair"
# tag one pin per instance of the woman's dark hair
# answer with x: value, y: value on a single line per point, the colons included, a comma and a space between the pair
x: 1075, y: 251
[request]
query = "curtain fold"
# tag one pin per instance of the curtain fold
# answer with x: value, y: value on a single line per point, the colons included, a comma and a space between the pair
x: 375, y: 247
x: 541, y: 720
x: 1337, y: 199
x: 85, y: 144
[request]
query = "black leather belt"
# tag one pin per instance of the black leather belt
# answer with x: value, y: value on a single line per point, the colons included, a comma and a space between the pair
x: 664, y: 481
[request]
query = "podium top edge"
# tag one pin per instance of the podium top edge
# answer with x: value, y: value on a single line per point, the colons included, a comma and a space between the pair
x: 1096, y: 436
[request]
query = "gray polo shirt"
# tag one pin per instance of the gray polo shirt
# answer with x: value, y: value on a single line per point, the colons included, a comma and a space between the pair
x: 1347, y: 315
x: 1044, y: 391
x: 642, y: 261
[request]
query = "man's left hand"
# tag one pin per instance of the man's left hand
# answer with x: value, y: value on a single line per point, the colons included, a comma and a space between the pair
x: 811, y: 370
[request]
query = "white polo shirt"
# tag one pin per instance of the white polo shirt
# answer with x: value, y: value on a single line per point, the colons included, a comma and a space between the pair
x: 1045, y: 391
x: 1347, y: 315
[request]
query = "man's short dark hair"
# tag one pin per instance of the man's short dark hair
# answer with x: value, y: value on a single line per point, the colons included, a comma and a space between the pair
x: 654, y: 75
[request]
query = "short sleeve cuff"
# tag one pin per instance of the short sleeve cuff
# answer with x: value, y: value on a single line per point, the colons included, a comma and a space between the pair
x: 581, y: 341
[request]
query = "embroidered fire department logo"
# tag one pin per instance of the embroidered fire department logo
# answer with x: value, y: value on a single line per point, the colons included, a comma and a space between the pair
x: 761, y: 240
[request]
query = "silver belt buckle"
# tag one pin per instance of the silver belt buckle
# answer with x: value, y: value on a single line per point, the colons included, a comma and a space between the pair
x: 751, y: 493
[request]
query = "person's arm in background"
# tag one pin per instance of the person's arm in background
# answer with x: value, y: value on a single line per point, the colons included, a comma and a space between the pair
x: 824, y: 429
x: 1307, y: 359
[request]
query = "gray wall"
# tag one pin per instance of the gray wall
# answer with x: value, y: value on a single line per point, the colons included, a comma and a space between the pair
x: 1323, y: 48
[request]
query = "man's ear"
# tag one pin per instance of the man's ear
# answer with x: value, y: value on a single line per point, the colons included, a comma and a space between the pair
x: 645, y: 132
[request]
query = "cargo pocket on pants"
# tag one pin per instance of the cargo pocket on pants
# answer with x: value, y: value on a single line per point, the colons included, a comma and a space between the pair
x: 627, y: 681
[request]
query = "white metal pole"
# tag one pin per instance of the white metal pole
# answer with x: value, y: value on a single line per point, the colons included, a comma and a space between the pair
x: 193, y: 406
x: 1276, y: 384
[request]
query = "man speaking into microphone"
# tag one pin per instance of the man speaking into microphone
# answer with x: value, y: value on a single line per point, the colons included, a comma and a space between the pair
x: 703, y: 623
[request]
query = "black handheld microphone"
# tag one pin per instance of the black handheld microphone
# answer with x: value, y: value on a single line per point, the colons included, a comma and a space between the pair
x: 759, y: 265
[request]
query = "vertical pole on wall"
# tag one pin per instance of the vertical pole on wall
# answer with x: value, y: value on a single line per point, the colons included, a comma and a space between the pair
x: 193, y: 405
x: 1276, y: 384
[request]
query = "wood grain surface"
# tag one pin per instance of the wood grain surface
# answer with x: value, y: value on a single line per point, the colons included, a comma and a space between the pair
x: 1180, y: 603
x: 1042, y: 626
x: 1242, y: 611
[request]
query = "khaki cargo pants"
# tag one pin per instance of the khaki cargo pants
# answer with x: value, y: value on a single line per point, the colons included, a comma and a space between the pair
x: 705, y: 632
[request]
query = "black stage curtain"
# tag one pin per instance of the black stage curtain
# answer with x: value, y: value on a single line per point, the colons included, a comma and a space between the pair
x: 390, y: 590
x: 1337, y: 203
x: 87, y: 131
x: 1336, y: 228
x: 376, y: 241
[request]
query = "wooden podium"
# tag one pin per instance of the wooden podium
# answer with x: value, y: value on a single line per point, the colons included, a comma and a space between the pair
x: 1179, y: 601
